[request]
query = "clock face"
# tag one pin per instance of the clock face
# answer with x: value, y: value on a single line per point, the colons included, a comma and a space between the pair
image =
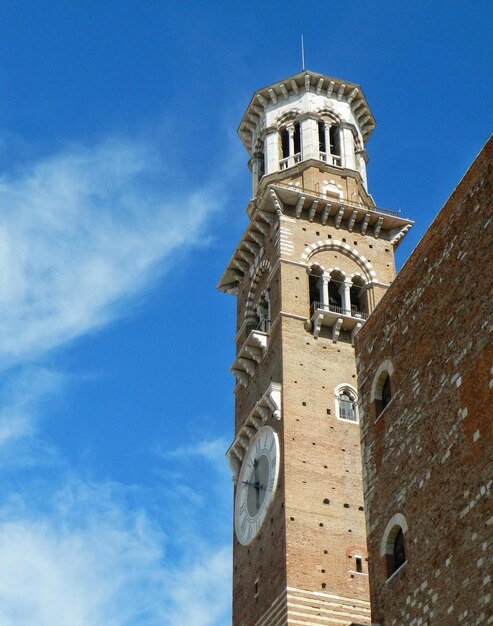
x: 257, y: 483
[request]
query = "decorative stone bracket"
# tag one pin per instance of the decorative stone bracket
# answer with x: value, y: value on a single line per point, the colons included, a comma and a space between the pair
x: 269, y: 406
x: 249, y: 356
x: 336, y: 321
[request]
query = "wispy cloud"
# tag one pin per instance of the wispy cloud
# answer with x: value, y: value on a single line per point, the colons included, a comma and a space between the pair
x: 209, y: 449
x: 21, y: 396
x: 79, y: 232
x: 84, y: 559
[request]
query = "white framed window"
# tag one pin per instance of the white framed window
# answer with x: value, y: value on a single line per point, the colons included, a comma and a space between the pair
x: 393, y: 546
x: 346, y: 403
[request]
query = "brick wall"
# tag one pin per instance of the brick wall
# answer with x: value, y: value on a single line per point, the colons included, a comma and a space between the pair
x: 429, y: 455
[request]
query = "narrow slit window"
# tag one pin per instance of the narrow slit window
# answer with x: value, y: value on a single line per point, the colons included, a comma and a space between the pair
x: 297, y: 139
x: 386, y: 392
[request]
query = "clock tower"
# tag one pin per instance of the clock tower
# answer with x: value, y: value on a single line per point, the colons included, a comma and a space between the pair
x: 315, y: 258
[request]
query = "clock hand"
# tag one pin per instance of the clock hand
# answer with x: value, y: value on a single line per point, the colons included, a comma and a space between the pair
x: 256, y: 485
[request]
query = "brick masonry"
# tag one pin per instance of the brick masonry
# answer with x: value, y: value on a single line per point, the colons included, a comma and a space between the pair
x: 429, y: 455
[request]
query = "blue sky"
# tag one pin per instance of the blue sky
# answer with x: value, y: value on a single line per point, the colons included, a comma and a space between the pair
x: 122, y: 194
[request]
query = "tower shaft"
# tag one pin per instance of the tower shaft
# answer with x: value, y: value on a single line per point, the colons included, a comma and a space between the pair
x: 316, y: 257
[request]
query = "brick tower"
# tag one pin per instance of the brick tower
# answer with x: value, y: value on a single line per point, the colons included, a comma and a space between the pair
x: 315, y: 258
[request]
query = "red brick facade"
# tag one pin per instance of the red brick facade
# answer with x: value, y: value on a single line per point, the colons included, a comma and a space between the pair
x: 428, y: 455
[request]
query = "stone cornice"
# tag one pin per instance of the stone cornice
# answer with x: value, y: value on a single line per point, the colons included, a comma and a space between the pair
x: 306, y: 81
x: 277, y: 198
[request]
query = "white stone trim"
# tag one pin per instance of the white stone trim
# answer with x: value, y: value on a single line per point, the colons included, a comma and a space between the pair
x: 335, y: 244
x: 385, y: 367
x: 249, y: 356
x: 286, y: 118
x: 312, y: 608
x: 396, y: 521
x: 353, y: 391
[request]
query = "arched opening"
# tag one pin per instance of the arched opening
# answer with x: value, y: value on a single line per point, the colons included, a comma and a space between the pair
x: 315, y: 288
x: 358, y: 297
x: 346, y: 407
x: 335, y: 145
x: 395, y: 556
x: 336, y: 285
x: 382, y: 388
x: 393, y: 543
x: 290, y: 145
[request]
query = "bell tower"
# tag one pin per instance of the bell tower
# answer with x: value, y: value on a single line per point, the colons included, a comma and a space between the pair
x: 315, y: 258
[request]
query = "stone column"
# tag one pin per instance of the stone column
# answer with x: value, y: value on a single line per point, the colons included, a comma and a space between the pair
x: 327, y: 142
x: 325, y: 291
x: 346, y: 297
x: 271, y: 151
x: 347, y: 148
x: 255, y: 164
x: 291, y: 145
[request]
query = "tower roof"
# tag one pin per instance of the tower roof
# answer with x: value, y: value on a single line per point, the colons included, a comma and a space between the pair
x: 306, y: 81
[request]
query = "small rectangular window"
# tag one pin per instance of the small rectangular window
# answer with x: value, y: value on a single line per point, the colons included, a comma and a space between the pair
x: 359, y: 565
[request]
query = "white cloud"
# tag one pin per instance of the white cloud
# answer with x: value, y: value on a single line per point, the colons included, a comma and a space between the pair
x: 201, y: 593
x: 81, y: 558
x: 20, y: 399
x: 208, y: 449
x: 81, y: 231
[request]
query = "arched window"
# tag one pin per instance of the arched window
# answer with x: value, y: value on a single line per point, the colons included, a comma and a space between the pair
x: 347, y: 409
x: 395, y: 556
x: 335, y: 145
x: 346, y: 403
x: 358, y: 297
x: 393, y: 544
x: 290, y: 145
x: 382, y: 389
x: 335, y: 290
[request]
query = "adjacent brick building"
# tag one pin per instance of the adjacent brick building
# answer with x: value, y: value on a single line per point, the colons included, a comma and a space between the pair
x: 425, y: 373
